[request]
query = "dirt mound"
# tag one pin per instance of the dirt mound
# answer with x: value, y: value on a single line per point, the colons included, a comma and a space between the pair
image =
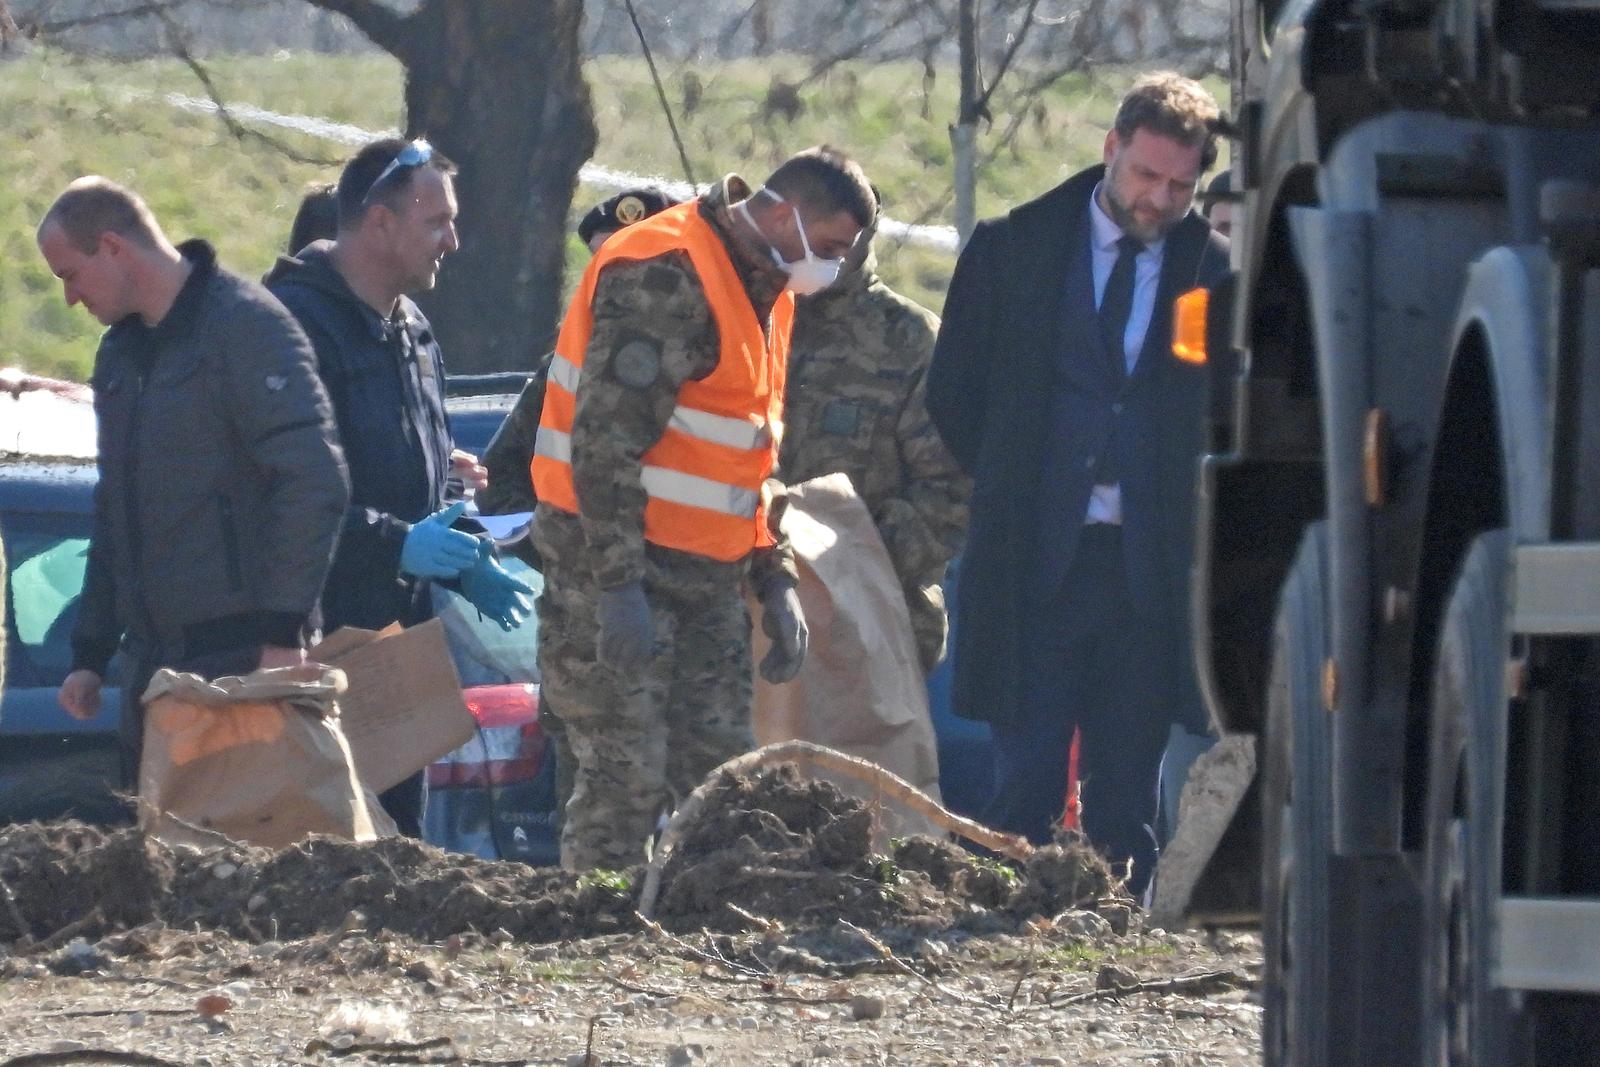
x: 70, y: 878
x: 775, y: 846
x: 796, y: 850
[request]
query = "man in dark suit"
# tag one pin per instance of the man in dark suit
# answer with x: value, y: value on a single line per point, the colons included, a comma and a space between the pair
x: 1054, y: 385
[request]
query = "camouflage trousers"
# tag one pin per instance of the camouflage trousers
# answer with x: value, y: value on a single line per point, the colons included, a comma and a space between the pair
x: 644, y: 740
x: 930, y: 626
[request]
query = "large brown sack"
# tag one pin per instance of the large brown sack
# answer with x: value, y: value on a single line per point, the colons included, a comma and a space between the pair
x: 861, y: 690
x: 260, y: 758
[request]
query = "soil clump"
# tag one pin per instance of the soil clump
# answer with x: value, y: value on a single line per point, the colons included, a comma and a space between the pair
x: 774, y: 847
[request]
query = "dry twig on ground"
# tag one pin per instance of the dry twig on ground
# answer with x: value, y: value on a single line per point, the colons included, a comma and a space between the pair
x: 905, y: 968
x: 1194, y: 984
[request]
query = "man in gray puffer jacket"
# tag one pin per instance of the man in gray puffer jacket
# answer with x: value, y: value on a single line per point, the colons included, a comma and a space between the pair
x: 222, y: 486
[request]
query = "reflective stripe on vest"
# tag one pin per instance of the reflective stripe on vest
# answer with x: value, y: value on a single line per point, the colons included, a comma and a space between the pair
x: 718, y: 429
x: 676, y: 486
x: 703, y: 479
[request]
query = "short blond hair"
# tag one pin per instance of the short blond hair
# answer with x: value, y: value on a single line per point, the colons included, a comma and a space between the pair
x: 1175, y: 107
x: 92, y: 206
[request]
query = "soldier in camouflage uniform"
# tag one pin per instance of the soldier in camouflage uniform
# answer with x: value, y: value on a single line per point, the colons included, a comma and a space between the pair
x: 854, y: 403
x: 510, y: 489
x: 646, y: 648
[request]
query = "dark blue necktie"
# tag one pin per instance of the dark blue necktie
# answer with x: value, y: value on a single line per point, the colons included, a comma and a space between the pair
x: 1117, y: 304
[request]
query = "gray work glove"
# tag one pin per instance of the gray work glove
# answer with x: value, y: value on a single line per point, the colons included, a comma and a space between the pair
x: 627, y: 630
x: 784, y: 622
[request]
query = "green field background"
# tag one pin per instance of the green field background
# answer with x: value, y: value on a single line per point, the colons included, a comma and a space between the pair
x: 64, y: 116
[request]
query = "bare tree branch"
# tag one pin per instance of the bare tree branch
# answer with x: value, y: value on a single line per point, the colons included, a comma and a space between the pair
x: 1031, y: 89
x: 1017, y: 42
x: 8, y: 27
x: 725, y: 38
x: 137, y: 11
x: 383, y: 25
x: 905, y: 14
x: 180, y: 48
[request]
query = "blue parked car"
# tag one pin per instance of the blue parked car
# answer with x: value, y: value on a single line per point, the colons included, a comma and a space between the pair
x: 51, y: 765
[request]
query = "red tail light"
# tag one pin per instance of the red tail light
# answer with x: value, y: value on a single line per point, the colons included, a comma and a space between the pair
x: 509, y: 746
x: 503, y: 705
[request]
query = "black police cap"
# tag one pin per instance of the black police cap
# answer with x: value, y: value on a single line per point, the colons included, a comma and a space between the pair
x: 622, y: 210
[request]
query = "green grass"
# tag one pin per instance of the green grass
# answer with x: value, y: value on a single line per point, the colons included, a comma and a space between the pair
x: 64, y: 117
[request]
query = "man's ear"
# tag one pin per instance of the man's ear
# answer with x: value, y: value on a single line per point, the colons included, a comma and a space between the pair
x: 379, y: 216
x: 1113, y: 142
x: 863, y: 244
x: 112, y: 244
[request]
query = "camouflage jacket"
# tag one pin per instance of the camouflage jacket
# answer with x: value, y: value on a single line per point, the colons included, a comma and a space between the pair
x: 655, y: 311
x: 855, y: 403
x: 510, y: 450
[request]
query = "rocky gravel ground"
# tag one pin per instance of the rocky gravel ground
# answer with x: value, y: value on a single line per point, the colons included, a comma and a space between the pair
x: 781, y: 937
x: 208, y: 1000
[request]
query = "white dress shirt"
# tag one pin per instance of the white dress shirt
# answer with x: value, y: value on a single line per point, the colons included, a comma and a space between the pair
x: 1105, y: 501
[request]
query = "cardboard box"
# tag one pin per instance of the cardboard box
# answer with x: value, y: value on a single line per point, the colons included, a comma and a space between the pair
x: 403, y: 709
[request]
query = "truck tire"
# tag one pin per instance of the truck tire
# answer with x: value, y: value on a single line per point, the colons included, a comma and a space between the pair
x: 1468, y: 1022
x: 1296, y: 886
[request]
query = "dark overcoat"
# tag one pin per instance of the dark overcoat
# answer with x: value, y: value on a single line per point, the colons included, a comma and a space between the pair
x: 1025, y: 397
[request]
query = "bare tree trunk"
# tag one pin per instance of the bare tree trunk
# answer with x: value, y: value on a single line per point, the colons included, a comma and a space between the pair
x: 761, y: 27
x: 964, y: 134
x: 496, y: 85
x: 8, y: 27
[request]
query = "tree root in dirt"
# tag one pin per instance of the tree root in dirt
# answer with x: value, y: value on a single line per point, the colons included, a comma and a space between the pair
x: 89, y: 1055
x: 14, y: 913
x: 93, y: 920
x: 807, y: 754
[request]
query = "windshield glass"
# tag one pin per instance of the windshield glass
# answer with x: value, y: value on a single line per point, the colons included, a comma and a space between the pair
x: 45, y: 562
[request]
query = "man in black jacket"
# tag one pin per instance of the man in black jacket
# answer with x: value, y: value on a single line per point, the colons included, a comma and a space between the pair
x: 1054, y: 385
x: 384, y: 372
x: 221, y: 488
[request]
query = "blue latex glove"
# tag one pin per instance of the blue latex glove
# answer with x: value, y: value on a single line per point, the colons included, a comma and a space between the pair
x: 433, y: 550
x: 494, y: 592
x: 627, y: 629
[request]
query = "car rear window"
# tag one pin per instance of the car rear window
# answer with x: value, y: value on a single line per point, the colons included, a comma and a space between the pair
x: 45, y: 561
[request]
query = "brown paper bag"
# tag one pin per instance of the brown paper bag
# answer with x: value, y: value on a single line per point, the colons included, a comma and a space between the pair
x: 861, y: 689
x: 260, y: 758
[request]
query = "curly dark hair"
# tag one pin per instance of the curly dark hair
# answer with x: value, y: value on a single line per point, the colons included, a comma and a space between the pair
x: 1173, y: 106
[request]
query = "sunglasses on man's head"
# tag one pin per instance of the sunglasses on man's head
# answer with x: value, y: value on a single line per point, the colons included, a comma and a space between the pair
x: 414, y: 154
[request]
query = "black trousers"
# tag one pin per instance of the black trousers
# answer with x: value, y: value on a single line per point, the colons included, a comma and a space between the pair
x: 1089, y: 663
x: 403, y: 802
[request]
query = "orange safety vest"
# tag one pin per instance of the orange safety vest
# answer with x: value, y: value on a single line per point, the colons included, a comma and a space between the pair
x: 703, y: 479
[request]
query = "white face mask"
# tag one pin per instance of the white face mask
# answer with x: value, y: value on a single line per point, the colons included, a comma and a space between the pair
x: 810, y: 274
